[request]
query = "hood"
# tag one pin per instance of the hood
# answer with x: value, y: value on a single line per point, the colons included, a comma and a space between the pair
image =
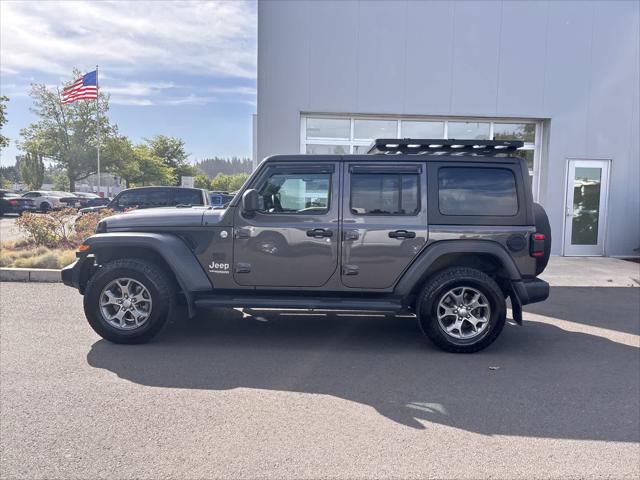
x: 162, y: 217
x: 93, y: 209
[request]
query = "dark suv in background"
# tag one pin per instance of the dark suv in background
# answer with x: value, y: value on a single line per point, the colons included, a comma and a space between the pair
x: 152, y: 197
x: 444, y: 229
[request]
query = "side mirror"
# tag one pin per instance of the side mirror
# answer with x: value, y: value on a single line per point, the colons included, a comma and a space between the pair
x: 250, y: 201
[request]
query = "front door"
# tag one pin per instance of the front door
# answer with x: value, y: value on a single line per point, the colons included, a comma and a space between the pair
x: 292, y: 240
x: 384, y: 221
x: 586, y: 207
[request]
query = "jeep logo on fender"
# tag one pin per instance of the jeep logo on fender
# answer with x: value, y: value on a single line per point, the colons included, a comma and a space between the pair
x: 215, y: 267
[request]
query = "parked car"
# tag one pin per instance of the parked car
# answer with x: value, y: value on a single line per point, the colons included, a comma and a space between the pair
x: 52, y: 200
x: 444, y: 229
x: 220, y: 199
x: 91, y: 199
x: 13, y: 203
x: 151, y: 197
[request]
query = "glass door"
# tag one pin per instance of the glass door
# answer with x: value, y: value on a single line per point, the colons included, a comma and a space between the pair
x: 586, y: 207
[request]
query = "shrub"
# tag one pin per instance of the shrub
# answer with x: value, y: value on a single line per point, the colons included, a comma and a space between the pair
x: 40, y: 257
x: 61, y: 228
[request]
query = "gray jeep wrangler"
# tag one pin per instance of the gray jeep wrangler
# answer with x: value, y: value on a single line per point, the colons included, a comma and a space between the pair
x: 446, y: 229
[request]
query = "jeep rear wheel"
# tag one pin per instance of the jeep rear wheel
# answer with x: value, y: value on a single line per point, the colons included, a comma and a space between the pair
x: 128, y: 301
x: 461, y: 310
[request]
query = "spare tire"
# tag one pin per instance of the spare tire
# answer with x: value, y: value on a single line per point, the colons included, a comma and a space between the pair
x: 542, y: 226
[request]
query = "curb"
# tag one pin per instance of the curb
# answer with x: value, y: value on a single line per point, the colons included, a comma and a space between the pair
x: 47, y: 275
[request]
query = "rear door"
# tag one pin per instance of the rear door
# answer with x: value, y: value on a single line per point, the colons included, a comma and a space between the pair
x: 292, y: 240
x: 384, y: 221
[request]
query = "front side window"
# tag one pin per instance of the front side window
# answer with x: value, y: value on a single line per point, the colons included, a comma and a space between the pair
x: 295, y: 193
x: 477, y: 191
x: 384, y: 194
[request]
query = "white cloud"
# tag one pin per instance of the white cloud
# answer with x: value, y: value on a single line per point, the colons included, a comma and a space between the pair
x: 210, y: 38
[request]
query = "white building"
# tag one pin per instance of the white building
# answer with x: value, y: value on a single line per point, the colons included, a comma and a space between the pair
x: 562, y: 76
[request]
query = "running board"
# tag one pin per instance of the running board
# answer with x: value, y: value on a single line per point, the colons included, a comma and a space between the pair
x: 302, y: 303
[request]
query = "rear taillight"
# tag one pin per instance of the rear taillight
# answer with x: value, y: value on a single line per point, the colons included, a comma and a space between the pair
x: 13, y: 202
x: 537, y: 245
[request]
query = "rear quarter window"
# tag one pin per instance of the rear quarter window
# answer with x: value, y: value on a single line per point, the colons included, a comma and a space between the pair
x: 476, y: 191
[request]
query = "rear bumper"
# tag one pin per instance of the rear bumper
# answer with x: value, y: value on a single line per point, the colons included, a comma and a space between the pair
x: 531, y: 291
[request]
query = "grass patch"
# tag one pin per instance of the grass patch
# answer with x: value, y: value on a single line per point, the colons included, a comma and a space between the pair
x: 14, y: 256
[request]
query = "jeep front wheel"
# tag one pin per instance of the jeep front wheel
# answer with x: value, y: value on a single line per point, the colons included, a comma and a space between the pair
x: 128, y: 301
x: 461, y: 310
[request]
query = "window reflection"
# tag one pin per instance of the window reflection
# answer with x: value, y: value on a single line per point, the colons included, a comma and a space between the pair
x: 586, y: 206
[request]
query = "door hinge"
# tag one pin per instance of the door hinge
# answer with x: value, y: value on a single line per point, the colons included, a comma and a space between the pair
x: 243, y: 268
x: 350, y: 270
x: 350, y: 235
x: 242, y: 233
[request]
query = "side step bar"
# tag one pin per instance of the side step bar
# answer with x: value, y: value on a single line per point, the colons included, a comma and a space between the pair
x: 303, y: 303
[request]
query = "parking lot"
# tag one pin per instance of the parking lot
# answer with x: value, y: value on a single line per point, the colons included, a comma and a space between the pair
x: 290, y: 395
x: 8, y: 230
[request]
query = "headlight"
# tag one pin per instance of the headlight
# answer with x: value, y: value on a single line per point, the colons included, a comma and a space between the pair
x: 101, y: 227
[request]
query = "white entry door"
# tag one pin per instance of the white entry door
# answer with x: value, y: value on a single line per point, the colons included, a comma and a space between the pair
x: 586, y: 207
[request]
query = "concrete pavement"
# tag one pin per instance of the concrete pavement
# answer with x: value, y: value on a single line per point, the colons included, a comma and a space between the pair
x: 309, y: 396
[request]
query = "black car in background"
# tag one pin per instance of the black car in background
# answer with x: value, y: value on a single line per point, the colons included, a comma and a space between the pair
x: 90, y: 199
x: 13, y: 203
x: 152, y: 197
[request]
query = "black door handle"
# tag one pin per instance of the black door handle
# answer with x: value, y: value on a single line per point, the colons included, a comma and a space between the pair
x: 319, y: 233
x: 402, y: 234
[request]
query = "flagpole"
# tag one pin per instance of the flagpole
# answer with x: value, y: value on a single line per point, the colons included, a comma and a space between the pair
x: 98, y: 125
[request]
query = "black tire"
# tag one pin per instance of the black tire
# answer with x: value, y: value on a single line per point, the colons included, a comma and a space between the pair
x: 542, y: 226
x: 445, y: 281
x: 45, y: 207
x: 154, y: 279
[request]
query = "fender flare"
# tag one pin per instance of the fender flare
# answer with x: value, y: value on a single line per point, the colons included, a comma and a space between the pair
x: 181, y: 260
x: 416, y: 272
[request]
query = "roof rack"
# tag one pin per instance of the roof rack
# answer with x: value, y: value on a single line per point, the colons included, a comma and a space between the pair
x: 438, y: 146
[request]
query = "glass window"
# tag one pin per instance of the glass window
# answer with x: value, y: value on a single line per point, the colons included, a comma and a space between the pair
x: 295, y: 193
x: 469, y: 130
x: 186, y: 196
x: 156, y: 197
x: 132, y: 198
x: 327, y: 149
x: 361, y: 149
x: 384, y: 194
x: 528, y: 156
x: 372, y: 129
x: 586, y: 206
x: 411, y: 129
x: 515, y: 131
x: 329, y: 128
x: 477, y: 191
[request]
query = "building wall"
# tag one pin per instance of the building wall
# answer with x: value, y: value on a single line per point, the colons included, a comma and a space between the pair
x: 573, y: 64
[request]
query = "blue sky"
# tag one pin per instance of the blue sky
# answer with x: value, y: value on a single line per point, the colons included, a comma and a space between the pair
x: 186, y: 69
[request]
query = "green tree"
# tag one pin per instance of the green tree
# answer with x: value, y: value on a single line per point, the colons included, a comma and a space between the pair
x: 61, y: 182
x: 121, y: 159
x: 4, y: 141
x: 171, y: 151
x: 228, y: 183
x: 67, y: 133
x: 153, y: 170
x: 202, y: 181
x: 32, y: 170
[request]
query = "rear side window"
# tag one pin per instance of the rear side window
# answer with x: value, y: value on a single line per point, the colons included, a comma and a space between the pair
x: 477, y: 191
x: 385, y: 194
x: 187, y: 197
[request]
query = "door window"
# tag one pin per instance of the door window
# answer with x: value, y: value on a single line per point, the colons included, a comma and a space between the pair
x: 295, y: 193
x: 385, y: 194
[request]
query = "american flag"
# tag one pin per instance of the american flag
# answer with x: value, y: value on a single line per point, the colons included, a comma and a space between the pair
x: 84, y: 88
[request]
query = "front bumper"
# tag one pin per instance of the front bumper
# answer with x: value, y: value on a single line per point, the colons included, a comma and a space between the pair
x: 72, y: 274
